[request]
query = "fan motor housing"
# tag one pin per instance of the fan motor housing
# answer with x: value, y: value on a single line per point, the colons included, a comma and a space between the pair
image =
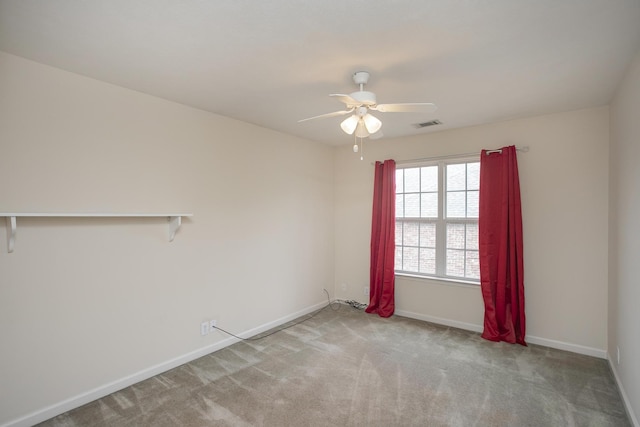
x: 365, y: 97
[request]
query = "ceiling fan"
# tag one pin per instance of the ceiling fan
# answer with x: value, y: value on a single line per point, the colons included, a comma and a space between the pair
x: 360, y: 104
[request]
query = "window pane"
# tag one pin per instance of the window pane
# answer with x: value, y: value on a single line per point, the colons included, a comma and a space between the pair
x: 429, y: 178
x: 410, y: 234
x: 427, y: 261
x: 455, y: 236
x: 410, y: 259
x: 472, y: 236
x: 427, y: 235
x: 455, y: 263
x: 456, y: 204
x: 473, y: 265
x: 412, y: 180
x: 398, y: 233
x: 429, y: 205
x: 456, y: 177
x: 412, y: 205
x: 420, y: 220
x: 399, y: 205
x: 473, y: 176
x: 399, y: 180
x: 472, y: 204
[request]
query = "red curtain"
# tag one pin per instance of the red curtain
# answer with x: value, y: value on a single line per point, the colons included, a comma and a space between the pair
x: 383, y: 245
x: 500, y: 240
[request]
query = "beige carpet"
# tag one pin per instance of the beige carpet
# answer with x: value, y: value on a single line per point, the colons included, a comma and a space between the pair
x: 347, y: 368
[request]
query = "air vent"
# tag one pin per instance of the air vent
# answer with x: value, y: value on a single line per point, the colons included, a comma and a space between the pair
x: 426, y: 124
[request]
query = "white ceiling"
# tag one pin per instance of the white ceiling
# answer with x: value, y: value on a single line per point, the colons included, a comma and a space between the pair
x: 274, y: 62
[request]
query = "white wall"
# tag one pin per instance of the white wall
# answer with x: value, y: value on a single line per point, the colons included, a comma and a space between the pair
x: 624, y: 288
x: 86, y: 302
x: 564, y: 185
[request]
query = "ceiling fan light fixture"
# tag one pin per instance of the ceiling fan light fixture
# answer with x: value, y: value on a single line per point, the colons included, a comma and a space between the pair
x: 372, y: 123
x: 349, y: 124
x: 361, y: 130
x: 359, y: 104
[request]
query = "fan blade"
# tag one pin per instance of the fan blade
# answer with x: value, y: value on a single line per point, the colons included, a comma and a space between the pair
x: 346, y: 99
x: 323, y: 116
x: 409, y: 107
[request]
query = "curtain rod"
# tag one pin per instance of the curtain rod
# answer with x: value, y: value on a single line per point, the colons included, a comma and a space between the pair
x: 453, y: 156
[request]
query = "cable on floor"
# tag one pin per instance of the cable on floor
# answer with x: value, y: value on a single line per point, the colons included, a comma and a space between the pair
x: 354, y: 304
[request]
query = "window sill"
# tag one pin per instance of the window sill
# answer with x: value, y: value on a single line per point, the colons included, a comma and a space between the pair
x: 440, y: 280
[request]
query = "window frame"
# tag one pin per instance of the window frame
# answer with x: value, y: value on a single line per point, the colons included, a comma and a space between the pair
x: 441, y: 221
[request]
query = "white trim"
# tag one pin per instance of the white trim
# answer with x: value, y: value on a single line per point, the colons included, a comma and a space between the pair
x: 439, y: 280
x: 560, y: 345
x: 440, y: 321
x: 623, y: 393
x: 106, y: 389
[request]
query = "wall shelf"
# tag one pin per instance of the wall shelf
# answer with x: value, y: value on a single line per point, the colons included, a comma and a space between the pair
x: 174, y: 219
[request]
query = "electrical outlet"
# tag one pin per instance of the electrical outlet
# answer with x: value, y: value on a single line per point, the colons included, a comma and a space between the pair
x: 213, y: 324
x: 204, y: 328
x: 618, y: 355
x: 366, y: 291
x: 344, y: 287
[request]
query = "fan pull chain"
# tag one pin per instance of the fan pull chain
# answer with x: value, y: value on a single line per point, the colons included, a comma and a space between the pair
x: 356, y: 148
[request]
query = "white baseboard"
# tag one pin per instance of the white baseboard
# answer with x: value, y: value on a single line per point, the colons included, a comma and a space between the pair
x: 106, y: 389
x: 574, y: 348
x: 440, y: 321
x: 623, y: 393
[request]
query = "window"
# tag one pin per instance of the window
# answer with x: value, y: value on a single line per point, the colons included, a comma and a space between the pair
x: 437, y: 219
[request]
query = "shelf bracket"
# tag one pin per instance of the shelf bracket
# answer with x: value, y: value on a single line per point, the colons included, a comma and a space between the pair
x: 174, y: 223
x: 11, y: 232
